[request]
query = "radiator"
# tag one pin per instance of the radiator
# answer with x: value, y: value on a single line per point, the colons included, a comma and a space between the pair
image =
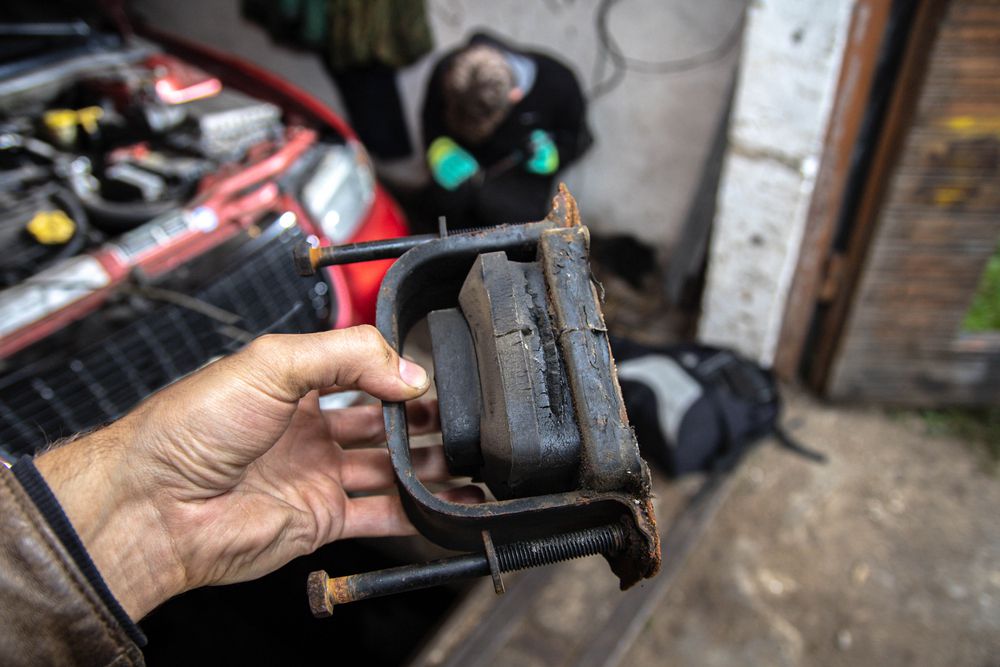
x: 176, y: 331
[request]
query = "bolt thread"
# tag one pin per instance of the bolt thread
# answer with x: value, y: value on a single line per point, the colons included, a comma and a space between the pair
x: 605, y: 540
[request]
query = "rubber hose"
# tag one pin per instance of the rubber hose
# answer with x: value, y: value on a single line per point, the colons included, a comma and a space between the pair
x: 122, y: 216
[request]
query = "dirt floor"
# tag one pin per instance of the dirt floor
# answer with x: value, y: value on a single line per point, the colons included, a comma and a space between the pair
x: 888, y: 555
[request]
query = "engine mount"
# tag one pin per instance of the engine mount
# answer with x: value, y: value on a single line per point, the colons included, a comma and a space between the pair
x: 529, y: 403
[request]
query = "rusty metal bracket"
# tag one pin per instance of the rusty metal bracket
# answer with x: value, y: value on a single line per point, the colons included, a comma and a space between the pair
x: 535, y: 317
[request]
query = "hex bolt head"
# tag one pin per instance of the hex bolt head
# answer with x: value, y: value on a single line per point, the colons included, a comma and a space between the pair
x: 318, y: 591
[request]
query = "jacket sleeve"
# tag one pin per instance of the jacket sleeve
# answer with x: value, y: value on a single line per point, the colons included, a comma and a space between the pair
x: 432, y: 114
x: 50, y: 614
x: 571, y: 133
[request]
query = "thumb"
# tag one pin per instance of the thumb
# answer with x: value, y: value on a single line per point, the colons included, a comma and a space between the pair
x: 290, y: 366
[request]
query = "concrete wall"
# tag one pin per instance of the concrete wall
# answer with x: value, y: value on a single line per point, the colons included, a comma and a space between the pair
x: 653, y: 131
x: 792, y: 51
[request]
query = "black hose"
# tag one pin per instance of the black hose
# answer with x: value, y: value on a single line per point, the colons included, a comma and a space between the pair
x: 74, y: 209
x: 21, y: 262
x: 109, y: 215
x: 122, y: 216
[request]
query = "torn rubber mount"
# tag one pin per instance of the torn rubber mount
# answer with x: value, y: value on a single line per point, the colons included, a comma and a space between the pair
x: 553, y: 440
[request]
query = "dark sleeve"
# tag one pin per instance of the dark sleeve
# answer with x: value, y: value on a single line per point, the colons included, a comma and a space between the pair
x: 569, y: 121
x: 50, y: 611
x: 432, y: 116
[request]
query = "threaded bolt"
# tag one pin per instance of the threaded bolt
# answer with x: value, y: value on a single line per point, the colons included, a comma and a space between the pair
x: 606, y: 540
x: 325, y: 593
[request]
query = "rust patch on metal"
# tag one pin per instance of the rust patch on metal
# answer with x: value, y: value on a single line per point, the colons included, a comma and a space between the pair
x: 642, y: 559
x: 565, y: 211
x: 340, y: 590
x: 491, y: 558
x: 319, y: 600
x: 326, y: 593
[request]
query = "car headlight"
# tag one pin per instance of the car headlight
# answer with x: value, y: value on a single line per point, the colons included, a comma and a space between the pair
x: 340, y: 191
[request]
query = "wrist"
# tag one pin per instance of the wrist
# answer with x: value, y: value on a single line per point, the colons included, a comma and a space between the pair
x: 117, y: 523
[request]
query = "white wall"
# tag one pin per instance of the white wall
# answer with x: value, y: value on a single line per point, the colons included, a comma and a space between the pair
x: 792, y: 52
x: 652, y: 132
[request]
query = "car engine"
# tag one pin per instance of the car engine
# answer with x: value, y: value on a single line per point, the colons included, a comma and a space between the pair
x: 147, y: 216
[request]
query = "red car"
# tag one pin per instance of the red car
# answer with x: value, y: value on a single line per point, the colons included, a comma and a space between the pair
x: 151, y: 192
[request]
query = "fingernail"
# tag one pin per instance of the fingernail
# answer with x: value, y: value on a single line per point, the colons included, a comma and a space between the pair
x: 412, y: 373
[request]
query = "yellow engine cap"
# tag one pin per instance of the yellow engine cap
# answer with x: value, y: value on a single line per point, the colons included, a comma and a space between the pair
x: 58, y: 119
x: 88, y: 117
x: 51, y: 227
x: 62, y: 125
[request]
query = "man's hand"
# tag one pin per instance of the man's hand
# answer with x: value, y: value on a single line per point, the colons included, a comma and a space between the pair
x: 233, y: 471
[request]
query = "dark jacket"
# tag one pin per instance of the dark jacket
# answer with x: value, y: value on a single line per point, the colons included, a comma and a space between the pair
x: 555, y: 104
x: 50, y: 611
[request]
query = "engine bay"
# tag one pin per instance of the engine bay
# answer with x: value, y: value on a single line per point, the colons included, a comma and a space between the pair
x: 85, y: 161
x: 137, y: 161
x: 147, y: 204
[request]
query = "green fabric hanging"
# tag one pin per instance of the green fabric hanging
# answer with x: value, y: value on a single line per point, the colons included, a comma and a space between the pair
x: 349, y: 33
x: 391, y: 32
